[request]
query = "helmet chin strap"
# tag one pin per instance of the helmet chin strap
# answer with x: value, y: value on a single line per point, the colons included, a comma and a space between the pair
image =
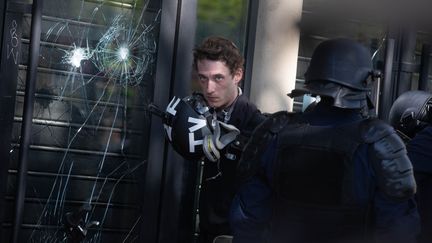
x: 223, y: 135
x: 210, y: 150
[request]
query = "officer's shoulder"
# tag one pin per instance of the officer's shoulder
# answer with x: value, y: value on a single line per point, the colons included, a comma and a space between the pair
x: 373, y: 129
x: 390, y: 161
x: 277, y: 119
x: 280, y: 115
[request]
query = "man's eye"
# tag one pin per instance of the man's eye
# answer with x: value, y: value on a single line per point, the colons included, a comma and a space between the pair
x: 219, y: 78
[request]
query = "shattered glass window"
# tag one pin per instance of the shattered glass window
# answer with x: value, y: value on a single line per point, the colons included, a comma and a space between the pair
x: 90, y: 127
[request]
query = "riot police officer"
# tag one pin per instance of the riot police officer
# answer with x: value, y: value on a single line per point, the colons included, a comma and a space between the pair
x: 331, y: 174
x: 411, y: 116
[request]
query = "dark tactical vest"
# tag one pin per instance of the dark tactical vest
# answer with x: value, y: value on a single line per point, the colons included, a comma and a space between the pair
x: 313, y: 176
x: 313, y: 182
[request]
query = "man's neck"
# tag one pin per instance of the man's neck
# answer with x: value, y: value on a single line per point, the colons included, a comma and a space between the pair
x: 227, y: 107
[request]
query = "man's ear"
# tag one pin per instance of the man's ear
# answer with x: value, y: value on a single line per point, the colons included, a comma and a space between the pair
x: 238, y: 75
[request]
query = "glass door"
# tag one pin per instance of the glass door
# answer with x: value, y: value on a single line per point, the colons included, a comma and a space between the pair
x: 90, y: 129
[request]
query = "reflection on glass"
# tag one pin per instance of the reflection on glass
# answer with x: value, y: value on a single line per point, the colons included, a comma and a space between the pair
x: 227, y: 18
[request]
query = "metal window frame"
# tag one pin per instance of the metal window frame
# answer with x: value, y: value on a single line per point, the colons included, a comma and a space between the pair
x: 251, y: 24
x: 12, y: 17
x: 165, y: 169
x: 26, y: 125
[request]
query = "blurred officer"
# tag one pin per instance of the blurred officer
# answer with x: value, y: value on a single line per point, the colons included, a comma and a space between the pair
x: 411, y: 115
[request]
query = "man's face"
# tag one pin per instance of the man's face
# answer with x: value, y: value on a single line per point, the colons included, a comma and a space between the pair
x: 217, y: 83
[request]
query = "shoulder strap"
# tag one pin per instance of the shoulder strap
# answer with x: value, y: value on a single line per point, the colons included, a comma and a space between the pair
x: 249, y: 163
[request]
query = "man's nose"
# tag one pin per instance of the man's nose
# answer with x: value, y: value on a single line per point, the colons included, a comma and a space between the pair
x: 210, y: 86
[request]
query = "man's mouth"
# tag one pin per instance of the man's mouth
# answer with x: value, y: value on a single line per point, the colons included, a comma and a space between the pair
x: 212, y: 99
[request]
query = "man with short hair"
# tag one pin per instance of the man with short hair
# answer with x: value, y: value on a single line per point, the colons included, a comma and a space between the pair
x: 218, y: 64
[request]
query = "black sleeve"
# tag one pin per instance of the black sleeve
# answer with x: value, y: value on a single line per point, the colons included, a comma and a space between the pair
x: 246, y: 116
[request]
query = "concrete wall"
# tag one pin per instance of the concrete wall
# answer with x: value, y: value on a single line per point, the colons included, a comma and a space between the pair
x: 276, y: 51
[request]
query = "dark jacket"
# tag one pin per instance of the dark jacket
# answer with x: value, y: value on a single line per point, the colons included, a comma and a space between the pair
x: 217, y: 191
x: 420, y: 152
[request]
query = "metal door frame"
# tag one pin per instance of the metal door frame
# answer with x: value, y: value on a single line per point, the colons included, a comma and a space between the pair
x: 160, y: 213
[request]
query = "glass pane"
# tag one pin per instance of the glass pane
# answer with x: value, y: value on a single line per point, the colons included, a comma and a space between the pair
x: 227, y: 18
x: 90, y: 126
x: 320, y: 22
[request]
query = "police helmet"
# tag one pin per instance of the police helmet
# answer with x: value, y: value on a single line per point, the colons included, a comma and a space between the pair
x: 340, y: 69
x: 186, y: 125
x: 411, y: 111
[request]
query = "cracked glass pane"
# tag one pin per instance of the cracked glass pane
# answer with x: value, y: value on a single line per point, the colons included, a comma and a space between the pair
x: 90, y: 125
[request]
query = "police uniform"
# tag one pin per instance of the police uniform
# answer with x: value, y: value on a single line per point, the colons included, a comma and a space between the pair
x: 420, y: 153
x: 330, y: 174
x: 411, y: 115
